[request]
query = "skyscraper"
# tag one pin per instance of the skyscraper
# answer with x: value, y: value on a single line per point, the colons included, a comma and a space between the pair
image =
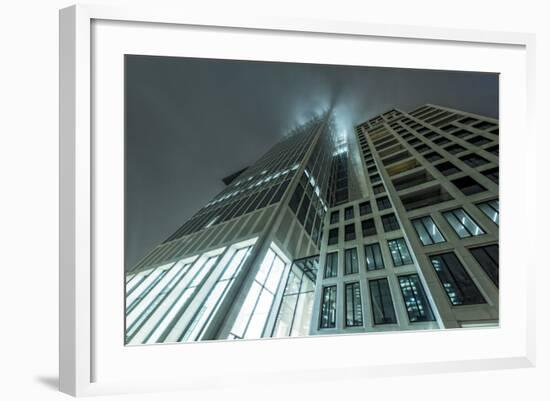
x: 397, y: 231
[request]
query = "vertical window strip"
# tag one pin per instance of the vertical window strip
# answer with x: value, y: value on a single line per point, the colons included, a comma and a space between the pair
x: 399, y: 252
x: 487, y: 257
x: 351, y: 264
x: 462, y: 223
x: 427, y: 231
x: 491, y: 210
x: 175, y: 304
x: 456, y: 281
x: 382, y: 305
x: 137, y: 317
x: 211, y: 304
x: 373, y: 256
x: 354, y: 309
x: 418, y: 308
x: 328, y: 307
x: 250, y: 322
x: 331, y: 265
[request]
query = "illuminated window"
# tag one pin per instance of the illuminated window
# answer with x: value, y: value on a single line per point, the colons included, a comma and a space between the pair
x: 328, y: 307
x: 399, y: 252
x: 294, y: 316
x: 250, y: 322
x: 354, y: 308
x: 462, y: 223
x: 427, y: 231
x: 491, y: 210
x: 458, y: 284
x: 204, y: 314
x: 415, y: 299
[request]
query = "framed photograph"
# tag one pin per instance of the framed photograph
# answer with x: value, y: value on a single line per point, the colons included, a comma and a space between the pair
x: 278, y: 200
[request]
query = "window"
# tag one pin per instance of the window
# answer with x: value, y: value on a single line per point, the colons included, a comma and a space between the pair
x: 441, y: 141
x: 296, y: 307
x: 368, y: 227
x: 491, y: 174
x: 375, y: 178
x: 296, y: 197
x: 487, y: 257
x: 447, y: 168
x: 491, y: 209
x: 354, y: 308
x: 331, y: 265
x: 399, y: 252
x: 333, y: 236
x: 334, y: 217
x: 462, y: 133
x: 427, y: 231
x: 378, y: 189
x: 383, y: 203
x: 412, y: 179
x: 202, y: 318
x: 425, y: 197
x: 349, y: 232
x: 390, y: 223
x: 455, y: 148
x: 157, y: 307
x: 468, y: 186
x: 458, y: 284
x: 474, y: 160
x: 351, y: 265
x: 373, y: 256
x: 251, y: 320
x: 478, y: 140
x: 415, y: 299
x: 348, y: 213
x: 462, y: 223
x: 433, y: 156
x: 328, y: 307
x: 382, y: 304
x: 422, y: 148
x: 492, y: 149
x: 365, y: 208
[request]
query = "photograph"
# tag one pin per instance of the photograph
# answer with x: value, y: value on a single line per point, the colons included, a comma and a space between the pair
x: 267, y: 199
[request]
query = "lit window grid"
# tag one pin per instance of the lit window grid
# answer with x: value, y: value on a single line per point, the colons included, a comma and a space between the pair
x: 255, y: 310
x: 169, y: 296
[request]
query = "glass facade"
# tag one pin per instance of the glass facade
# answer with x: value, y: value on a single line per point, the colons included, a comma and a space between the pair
x: 250, y: 322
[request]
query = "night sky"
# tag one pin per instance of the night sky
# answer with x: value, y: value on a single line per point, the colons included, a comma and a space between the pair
x: 191, y: 122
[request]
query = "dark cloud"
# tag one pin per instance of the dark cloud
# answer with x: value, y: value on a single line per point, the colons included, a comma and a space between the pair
x: 191, y: 122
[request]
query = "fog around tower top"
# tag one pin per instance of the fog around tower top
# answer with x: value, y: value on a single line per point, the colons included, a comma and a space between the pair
x: 190, y: 122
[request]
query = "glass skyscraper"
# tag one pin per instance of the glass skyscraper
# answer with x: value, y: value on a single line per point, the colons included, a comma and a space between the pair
x: 397, y: 230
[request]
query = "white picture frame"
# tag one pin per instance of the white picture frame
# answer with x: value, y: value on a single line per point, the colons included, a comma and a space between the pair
x: 88, y: 366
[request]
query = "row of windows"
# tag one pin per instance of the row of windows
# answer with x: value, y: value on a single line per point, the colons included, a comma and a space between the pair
x: 428, y: 232
x: 389, y: 222
x: 364, y: 208
x: 461, y: 222
x: 373, y: 258
x: 383, y: 311
x: 455, y: 280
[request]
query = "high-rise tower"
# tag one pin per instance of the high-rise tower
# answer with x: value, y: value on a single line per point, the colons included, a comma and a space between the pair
x: 306, y: 241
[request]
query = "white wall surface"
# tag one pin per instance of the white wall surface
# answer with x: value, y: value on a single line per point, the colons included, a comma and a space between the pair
x: 29, y: 211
